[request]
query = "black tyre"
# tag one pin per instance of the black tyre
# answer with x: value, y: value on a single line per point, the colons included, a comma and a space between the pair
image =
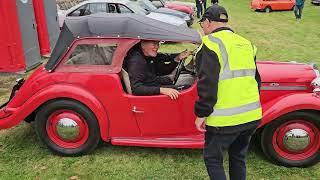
x: 67, y: 127
x: 267, y: 9
x: 293, y: 139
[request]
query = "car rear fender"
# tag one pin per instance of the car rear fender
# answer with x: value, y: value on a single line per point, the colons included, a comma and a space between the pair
x: 51, y: 93
x: 290, y: 103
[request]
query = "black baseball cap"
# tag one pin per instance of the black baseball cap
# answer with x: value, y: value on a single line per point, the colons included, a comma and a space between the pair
x: 215, y: 13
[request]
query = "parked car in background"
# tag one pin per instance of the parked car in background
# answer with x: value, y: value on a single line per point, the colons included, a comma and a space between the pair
x: 82, y: 96
x: 272, y: 5
x: 181, y: 2
x: 315, y: 2
x: 168, y: 4
x: 148, y: 6
x: 115, y: 6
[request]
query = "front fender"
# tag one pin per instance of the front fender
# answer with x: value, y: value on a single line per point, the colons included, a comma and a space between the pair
x: 18, y: 114
x: 287, y: 104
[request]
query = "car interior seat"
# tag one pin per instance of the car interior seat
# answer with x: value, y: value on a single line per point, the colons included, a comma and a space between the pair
x: 126, y: 80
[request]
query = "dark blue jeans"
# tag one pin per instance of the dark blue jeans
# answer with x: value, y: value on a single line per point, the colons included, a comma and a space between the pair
x: 236, y: 143
x: 199, y: 10
x: 298, y: 11
x: 204, y: 3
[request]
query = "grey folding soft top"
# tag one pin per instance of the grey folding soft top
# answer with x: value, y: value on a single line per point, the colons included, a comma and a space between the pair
x: 119, y: 26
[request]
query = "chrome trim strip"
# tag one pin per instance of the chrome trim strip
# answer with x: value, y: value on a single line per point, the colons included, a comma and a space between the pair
x: 283, y: 88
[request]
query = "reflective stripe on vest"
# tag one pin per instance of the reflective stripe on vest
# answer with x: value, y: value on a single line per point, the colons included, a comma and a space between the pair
x: 237, y: 110
x: 227, y: 73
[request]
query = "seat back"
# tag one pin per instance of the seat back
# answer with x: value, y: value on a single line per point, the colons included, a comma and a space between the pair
x: 126, y: 80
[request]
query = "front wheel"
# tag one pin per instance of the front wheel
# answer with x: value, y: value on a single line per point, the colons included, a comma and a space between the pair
x: 67, y: 127
x: 293, y: 139
x: 268, y: 9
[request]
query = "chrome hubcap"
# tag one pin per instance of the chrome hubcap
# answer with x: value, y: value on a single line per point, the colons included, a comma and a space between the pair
x: 67, y: 129
x: 296, y: 140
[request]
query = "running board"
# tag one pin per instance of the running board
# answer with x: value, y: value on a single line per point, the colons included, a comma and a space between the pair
x: 194, y: 142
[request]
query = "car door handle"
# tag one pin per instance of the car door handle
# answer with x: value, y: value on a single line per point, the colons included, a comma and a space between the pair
x: 135, y: 110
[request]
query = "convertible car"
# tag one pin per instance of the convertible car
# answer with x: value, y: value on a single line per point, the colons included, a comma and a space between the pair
x: 82, y: 95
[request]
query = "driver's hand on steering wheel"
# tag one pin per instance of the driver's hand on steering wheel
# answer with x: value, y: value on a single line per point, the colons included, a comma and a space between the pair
x: 183, y: 55
x: 172, y: 93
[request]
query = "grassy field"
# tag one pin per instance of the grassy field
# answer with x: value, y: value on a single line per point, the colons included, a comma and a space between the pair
x: 278, y: 36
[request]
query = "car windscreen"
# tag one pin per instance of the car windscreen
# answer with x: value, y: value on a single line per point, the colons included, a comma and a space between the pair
x: 148, y: 5
x: 136, y: 8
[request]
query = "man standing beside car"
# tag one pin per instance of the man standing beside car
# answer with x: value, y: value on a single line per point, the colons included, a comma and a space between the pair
x: 228, y: 109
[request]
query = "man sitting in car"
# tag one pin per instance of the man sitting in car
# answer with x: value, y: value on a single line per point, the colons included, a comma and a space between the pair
x: 141, y: 62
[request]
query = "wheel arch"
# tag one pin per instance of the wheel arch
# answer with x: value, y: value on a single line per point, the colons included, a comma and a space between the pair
x: 288, y: 104
x: 268, y: 6
x: 63, y: 91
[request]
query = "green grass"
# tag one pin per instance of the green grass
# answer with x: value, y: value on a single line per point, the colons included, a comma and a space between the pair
x: 277, y: 35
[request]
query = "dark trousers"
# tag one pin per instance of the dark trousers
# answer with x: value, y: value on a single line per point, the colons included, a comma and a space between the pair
x: 298, y: 11
x: 204, y: 3
x: 199, y: 10
x: 236, y: 143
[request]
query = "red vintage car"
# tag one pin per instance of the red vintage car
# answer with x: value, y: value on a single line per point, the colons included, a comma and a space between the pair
x: 82, y: 96
x: 272, y: 5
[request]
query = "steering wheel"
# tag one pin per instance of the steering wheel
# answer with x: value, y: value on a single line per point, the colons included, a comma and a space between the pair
x: 178, y: 72
x: 180, y: 67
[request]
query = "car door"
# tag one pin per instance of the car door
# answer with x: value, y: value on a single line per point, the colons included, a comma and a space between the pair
x: 93, y: 65
x: 287, y: 4
x: 159, y: 115
x: 277, y: 4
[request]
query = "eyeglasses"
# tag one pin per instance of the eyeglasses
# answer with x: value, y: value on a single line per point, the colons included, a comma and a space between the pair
x: 200, y: 23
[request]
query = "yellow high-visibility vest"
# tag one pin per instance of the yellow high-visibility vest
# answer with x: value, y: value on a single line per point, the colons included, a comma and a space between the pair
x: 238, y: 95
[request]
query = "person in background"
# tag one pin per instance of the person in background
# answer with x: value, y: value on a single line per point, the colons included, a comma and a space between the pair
x: 228, y: 109
x: 214, y: 2
x: 298, y: 8
x: 204, y: 3
x: 199, y: 8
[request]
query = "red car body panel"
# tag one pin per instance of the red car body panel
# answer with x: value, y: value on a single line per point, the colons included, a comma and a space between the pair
x: 273, y: 4
x: 182, y: 8
x: 154, y: 121
x: 289, y: 103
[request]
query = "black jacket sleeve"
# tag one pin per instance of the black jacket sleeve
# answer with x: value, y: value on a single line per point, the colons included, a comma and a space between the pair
x: 208, y: 69
x: 258, y: 78
x: 136, y: 70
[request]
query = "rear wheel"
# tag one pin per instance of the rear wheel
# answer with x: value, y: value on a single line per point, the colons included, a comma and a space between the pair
x: 67, y: 127
x: 268, y: 9
x: 293, y: 139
